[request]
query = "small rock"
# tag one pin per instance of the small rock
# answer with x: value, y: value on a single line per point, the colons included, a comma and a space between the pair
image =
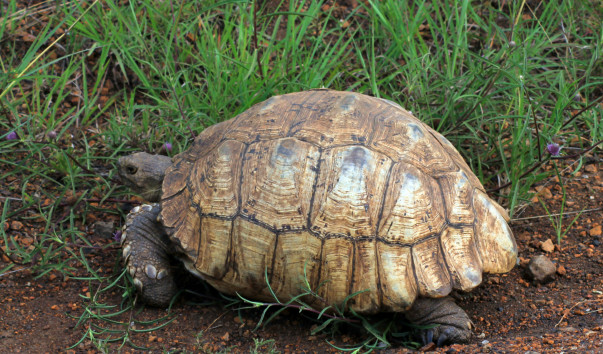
x: 568, y: 329
x: 26, y: 241
x: 104, y: 229
x: 547, y: 246
x: 590, y: 168
x: 541, y: 269
x: 561, y: 270
x: 226, y: 337
x: 595, y: 231
x: 428, y: 347
x: 544, y: 192
x: 16, y: 225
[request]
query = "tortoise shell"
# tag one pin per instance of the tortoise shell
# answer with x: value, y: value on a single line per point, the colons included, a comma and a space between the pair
x: 349, y: 192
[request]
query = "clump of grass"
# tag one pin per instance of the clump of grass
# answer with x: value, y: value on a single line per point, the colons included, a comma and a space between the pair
x: 496, y: 82
x: 557, y: 219
x: 378, y: 332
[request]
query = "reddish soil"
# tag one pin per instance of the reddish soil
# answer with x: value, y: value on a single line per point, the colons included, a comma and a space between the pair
x: 510, y: 312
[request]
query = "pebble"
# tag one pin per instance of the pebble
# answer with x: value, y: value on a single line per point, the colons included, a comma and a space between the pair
x: 561, y: 270
x: 16, y: 225
x: 226, y: 337
x: 26, y: 241
x: 428, y: 347
x: 104, y: 229
x: 568, y: 329
x: 595, y: 231
x: 541, y: 269
x: 590, y: 168
x: 547, y: 246
x: 544, y: 192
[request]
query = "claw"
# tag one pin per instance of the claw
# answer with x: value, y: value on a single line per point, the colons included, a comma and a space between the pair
x: 426, y: 336
x: 162, y: 273
x: 123, y: 237
x: 151, y: 271
x: 138, y: 284
x: 125, y: 253
x: 444, y: 337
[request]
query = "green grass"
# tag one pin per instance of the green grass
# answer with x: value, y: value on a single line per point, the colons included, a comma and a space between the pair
x: 500, y: 83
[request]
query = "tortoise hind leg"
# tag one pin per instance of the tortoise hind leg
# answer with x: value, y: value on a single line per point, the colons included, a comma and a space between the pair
x: 454, y: 325
x: 145, y: 252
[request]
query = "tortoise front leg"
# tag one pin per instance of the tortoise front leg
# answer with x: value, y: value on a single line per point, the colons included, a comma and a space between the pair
x: 454, y: 325
x: 145, y: 252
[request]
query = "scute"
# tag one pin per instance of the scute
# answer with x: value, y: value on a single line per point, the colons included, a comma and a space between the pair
x: 348, y: 191
x: 413, y: 207
x: 278, y: 178
x: 460, y: 253
x: 262, y: 122
x: 432, y: 275
x: 339, y: 120
x: 402, y: 137
x: 458, y: 191
x: 215, y: 179
x: 495, y: 242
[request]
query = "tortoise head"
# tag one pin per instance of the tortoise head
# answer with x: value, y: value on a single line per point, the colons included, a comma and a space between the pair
x: 144, y: 173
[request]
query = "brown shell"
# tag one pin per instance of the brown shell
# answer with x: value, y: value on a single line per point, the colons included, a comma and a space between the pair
x: 346, y: 190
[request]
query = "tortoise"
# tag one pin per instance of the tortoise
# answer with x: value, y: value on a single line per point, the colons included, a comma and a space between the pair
x: 319, y: 187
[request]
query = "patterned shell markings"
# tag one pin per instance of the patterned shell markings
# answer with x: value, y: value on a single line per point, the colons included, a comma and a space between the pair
x: 351, y: 189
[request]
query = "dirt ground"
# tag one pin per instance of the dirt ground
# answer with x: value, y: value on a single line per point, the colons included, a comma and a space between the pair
x: 511, y: 313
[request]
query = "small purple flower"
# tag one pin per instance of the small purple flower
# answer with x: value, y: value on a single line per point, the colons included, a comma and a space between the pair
x: 553, y: 149
x: 577, y: 97
x: 167, y: 147
x: 117, y: 236
x: 12, y: 136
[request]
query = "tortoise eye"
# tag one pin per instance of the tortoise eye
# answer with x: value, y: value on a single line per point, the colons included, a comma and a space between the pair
x: 131, y: 169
